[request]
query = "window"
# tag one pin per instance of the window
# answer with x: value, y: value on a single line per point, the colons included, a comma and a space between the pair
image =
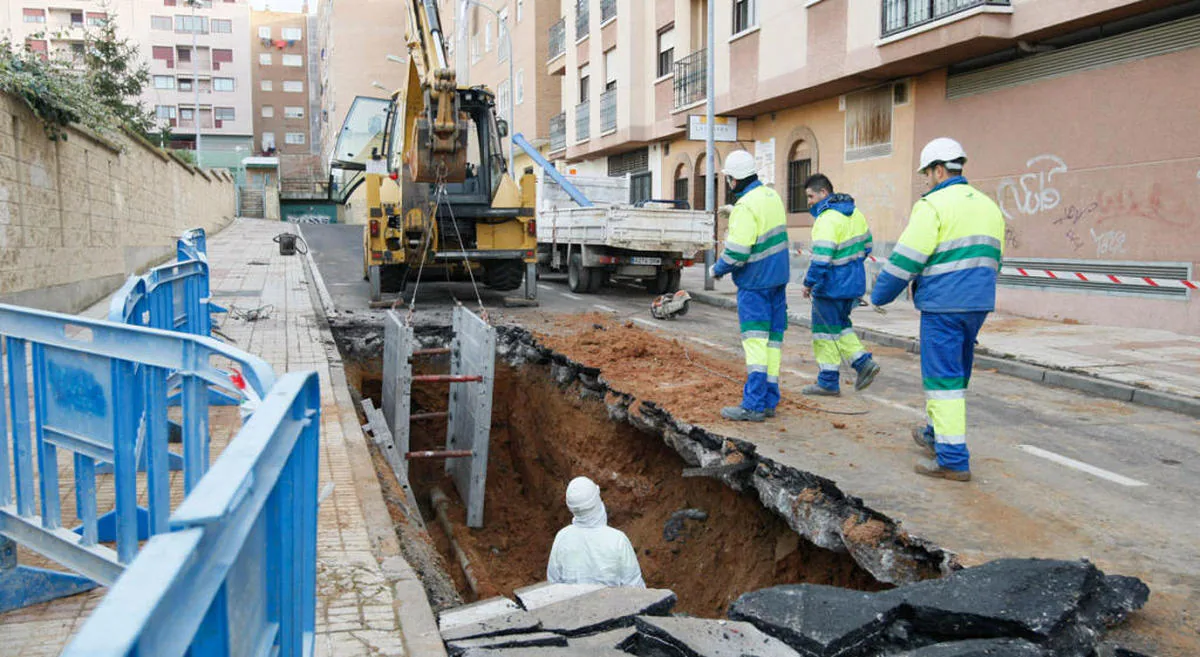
x: 293, y: 60
x: 681, y: 189
x: 222, y: 84
x: 187, y: 114
x: 666, y: 50
x: 221, y: 56
x: 487, y: 37
x: 185, y: 84
x: 264, y: 58
x: 268, y: 111
x: 185, y: 55
x: 188, y: 24
x: 222, y: 26
x: 503, y: 50
x: 165, y: 112
x: 520, y: 86
x: 639, y: 187
x: 293, y: 86
x: 292, y: 34
x: 585, y: 81
x: 745, y: 15
x: 268, y: 141
x: 610, y: 69
x: 166, y: 54
x: 36, y: 45
x: 264, y: 32
x: 293, y: 112
x: 225, y: 114
x: 164, y: 82
x: 869, y: 123
x: 799, y: 168
x: 168, y: 3
x: 520, y: 10
x: 34, y: 15
x: 503, y: 96
x: 265, y: 85
x: 294, y: 138
x: 160, y: 23
x: 76, y: 19
x: 96, y: 18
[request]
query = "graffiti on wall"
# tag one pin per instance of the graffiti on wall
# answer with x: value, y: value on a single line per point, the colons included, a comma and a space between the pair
x: 1032, y: 192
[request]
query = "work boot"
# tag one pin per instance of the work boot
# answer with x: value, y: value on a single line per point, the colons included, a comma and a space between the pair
x: 770, y: 412
x: 814, y: 390
x: 741, y: 414
x: 930, y: 468
x: 866, y: 375
x: 923, y: 440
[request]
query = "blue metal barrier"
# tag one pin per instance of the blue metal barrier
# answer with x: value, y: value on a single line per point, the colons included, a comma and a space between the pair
x: 237, y: 573
x: 99, y: 390
x: 193, y: 245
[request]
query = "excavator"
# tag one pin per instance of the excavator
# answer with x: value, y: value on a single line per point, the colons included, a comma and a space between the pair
x: 441, y: 204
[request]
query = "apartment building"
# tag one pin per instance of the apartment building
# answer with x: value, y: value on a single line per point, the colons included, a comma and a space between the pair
x: 1077, y: 118
x: 281, y: 95
x: 198, y: 58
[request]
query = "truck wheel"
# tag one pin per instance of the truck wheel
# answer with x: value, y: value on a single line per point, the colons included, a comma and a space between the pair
x: 393, y: 278
x: 660, y: 283
x: 599, y: 278
x: 504, y: 275
x: 673, y: 279
x: 579, y: 278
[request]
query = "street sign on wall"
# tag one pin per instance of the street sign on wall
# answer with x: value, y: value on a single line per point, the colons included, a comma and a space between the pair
x: 698, y: 128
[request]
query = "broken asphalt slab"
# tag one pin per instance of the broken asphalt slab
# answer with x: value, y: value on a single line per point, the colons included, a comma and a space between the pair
x: 602, y: 610
x: 1061, y: 606
x: 698, y: 637
x: 547, y: 593
x: 530, y: 640
x: 616, y: 639
x: 546, y: 652
x: 979, y: 648
x: 492, y: 617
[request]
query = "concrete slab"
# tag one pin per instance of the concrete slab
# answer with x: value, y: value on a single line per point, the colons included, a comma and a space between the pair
x: 476, y: 612
x: 530, y: 640
x: 606, y: 609
x: 545, y: 594
x: 516, y: 622
x: 817, y: 620
x: 698, y: 637
x: 546, y: 652
x: 616, y: 639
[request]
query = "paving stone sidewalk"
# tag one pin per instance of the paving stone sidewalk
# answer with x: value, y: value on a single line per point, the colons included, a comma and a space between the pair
x: 369, y: 600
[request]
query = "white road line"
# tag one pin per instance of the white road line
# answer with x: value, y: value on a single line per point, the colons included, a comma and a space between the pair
x: 544, y: 287
x: 898, y: 406
x: 646, y: 322
x: 1081, y: 466
x: 707, y: 343
x: 603, y: 307
x: 571, y: 296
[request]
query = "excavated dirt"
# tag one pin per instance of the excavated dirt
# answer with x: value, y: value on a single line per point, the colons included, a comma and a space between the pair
x: 542, y: 436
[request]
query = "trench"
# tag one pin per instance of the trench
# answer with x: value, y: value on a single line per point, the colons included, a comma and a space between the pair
x: 546, y: 430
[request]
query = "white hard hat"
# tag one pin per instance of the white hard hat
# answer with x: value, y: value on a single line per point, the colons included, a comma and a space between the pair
x: 583, y: 495
x: 944, y: 150
x: 740, y: 165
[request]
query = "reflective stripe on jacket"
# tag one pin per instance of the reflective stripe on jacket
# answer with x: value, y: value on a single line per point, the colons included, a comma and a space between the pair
x: 756, y: 248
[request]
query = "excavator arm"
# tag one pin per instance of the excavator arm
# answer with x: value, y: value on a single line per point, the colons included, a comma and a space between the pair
x: 437, y: 150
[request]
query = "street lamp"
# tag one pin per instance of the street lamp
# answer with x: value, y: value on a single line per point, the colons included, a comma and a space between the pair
x: 196, y: 81
x: 512, y: 115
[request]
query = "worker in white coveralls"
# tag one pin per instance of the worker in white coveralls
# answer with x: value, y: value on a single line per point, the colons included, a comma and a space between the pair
x: 588, y: 551
x: 756, y: 253
x: 951, y: 253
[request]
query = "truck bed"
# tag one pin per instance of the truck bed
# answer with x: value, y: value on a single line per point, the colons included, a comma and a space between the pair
x: 625, y: 227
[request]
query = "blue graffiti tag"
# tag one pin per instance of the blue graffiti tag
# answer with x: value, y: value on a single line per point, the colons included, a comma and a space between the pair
x: 76, y: 389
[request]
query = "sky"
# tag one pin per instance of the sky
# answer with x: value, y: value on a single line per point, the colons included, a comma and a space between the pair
x: 282, y: 5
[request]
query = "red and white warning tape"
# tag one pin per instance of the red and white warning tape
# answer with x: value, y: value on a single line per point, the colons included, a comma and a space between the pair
x: 1144, y: 281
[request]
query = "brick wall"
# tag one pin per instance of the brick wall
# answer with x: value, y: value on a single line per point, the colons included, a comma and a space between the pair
x: 79, y: 216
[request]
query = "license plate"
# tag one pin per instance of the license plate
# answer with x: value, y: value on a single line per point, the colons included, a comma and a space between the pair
x: 641, y: 260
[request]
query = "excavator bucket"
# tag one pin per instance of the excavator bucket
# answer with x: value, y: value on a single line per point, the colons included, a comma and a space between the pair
x: 433, y: 165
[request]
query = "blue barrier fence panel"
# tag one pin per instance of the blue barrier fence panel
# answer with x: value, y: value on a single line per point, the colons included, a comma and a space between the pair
x: 98, y: 391
x: 237, y: 574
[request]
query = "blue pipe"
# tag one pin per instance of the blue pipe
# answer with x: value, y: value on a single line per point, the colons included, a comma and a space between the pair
x: 571, y: 190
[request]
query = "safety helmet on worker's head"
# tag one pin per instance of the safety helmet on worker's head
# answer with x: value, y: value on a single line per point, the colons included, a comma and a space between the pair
x: 739, y: 165
x: 944, y: 150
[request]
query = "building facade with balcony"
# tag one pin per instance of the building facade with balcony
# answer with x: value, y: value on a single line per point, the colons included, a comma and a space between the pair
x: 217, y: 68
x: 1073, y: 116
x: 282, y: 89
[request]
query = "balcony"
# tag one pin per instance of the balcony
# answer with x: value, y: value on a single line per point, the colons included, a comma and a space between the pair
x: 608, y: 10
x: 558, y: 133
x: 902, y: 15
x: 691, y: 78
x: 608, y: 111
x: 558, y: 40
x: 583, y: 121
x: 582, y: 19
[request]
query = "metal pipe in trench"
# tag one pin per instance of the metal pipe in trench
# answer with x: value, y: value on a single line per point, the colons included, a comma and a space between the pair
x: 439, y: 501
